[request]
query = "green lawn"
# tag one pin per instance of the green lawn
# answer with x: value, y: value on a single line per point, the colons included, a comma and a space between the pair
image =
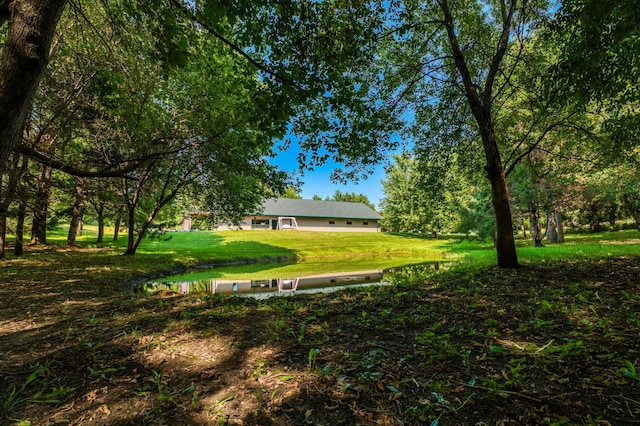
x: 296, y: 245
x: 189, y: 248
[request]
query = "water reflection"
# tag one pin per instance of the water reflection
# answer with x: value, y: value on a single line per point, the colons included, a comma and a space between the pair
x: 283, y: 286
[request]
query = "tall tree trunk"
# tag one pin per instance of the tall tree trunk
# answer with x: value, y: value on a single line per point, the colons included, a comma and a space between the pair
x: 100, y: 225
x: 76, y: 213
x: 116, y: 228
x: 11, y: 182
x: 41, y: 206
x: 4, y: 211
x: 552, y: 234
x: 131, y: 249
x: 21, y: 193
x: 480, y: 100
x: 23, y: 60
x: 559, y: 227
x: 534, y: 223
x: 633, y: 207
x: 612, y: 213
x: 505, y: 242
x: 3, y: 231
x: 18, y: 249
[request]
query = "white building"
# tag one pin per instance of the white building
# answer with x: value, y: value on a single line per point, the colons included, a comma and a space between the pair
x: 310, y: 215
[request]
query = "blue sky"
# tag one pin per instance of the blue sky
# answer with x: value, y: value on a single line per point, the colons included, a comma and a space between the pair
x: 318, y: 182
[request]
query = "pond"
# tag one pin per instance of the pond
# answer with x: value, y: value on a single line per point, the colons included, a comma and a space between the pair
x: 280, y: 280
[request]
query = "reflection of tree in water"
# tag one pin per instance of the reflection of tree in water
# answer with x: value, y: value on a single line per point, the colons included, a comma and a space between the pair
x: 412, y: 274
x: 408, y: 274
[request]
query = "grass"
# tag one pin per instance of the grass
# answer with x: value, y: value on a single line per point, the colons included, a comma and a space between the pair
x: 213, y: 247
x: 190, y: 247
x: 576, y: 247
x: 300, y: 245
x: 554, y: 342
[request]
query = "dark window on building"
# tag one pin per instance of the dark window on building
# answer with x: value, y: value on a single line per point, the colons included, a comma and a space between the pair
x: 259, y: 224
x: 332, y: 222
x: 348, y: 222
x: 365, y: 223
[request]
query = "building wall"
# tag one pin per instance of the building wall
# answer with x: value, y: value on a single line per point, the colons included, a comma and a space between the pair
x: 311, y: 224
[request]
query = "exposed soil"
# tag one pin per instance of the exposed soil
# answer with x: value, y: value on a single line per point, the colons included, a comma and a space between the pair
x: 545, y: 344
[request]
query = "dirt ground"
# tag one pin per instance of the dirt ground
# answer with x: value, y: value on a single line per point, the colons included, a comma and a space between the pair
x: 545, y: 344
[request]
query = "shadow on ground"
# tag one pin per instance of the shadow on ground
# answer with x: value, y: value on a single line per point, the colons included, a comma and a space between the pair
x: 547, y: 343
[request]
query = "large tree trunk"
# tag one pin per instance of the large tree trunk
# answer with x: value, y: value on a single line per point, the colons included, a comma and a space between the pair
x: 41, y: 206
x: 633, y: 207
x: 3, y: 231
x: 25, y: 53
x: 24, y: 58
x: 534, y: 223
x: 76, y: 214
x: 552, y: 234
x: 559, y: 227
x: 131, y: 249
x: 22, y: 213
x: 100, y: 211
x: 480, y: 100
x: 505, y: 242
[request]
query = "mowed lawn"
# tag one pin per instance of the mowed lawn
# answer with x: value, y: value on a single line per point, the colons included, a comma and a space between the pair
x: 191, y: 248
x: 206, y: 246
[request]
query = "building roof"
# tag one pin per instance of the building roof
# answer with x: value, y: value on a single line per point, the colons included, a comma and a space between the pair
x: 318, y: 208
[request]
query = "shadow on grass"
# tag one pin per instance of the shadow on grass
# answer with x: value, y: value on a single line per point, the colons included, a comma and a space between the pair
x: 547, y: 343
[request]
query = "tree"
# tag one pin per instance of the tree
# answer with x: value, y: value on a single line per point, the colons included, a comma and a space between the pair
x: 177, y: 129
x: 404, y: 203
x: 599, y: 43
x: 423, y: 195
x: 350, y: 197
x: 591, y: 33
x: 292, y: 192
x: 440, y: 75
x: 165, y: 31
x: 17, y: 167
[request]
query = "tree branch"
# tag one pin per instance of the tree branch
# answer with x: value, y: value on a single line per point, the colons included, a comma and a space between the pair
x: 458, y: 57
x: 529, y: 150
x: 69, y: 169
x: 409, y: 27
x: 503, y: 44
x: 197, y: 18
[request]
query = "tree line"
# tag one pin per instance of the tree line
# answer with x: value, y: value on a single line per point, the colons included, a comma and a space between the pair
x: 131, y: 109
